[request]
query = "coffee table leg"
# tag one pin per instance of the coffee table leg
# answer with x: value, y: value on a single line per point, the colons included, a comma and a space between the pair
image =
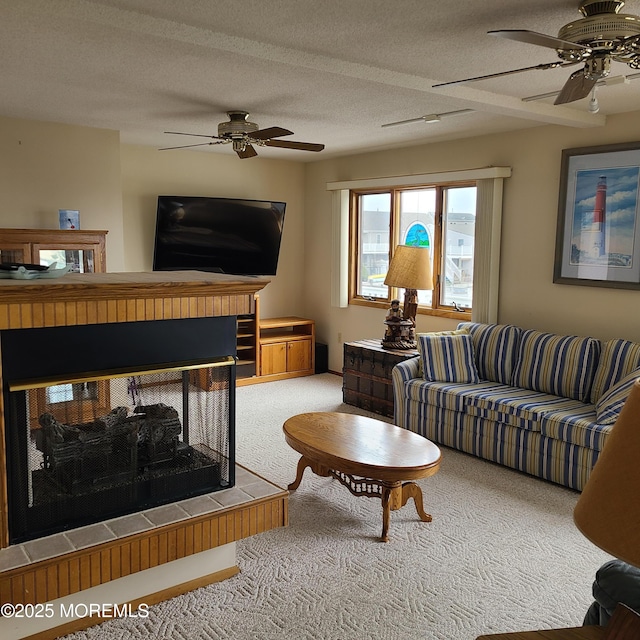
x: 412, y: 490
x: 395, y: 496
x: 386, y: 512
x: 303, y: 463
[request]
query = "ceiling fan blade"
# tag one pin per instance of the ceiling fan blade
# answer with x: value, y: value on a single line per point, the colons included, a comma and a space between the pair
x: 540, y: 39
x: 270, y: 132
x: 247, y: 152
x: 186, y: 146
x: 290, y: 144
x: 578, y: 86
x: 544, y: 65
x: 199, y: 135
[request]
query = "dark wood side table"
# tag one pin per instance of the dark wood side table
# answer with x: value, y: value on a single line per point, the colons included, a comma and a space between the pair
x: 573, y: 633
x: 366, y: 375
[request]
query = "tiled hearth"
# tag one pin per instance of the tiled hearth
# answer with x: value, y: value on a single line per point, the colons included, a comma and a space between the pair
x: 248, y: 488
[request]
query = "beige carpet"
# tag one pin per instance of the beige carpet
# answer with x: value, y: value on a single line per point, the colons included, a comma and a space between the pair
x: 502, y: 553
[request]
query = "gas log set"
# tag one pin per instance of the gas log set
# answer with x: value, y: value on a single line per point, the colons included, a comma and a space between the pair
x: 117, y: 446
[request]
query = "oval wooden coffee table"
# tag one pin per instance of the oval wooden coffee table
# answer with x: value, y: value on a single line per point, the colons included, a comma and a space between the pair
x: 369, y: 457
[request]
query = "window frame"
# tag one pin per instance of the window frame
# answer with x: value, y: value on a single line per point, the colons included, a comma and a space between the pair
x: 436, y: 308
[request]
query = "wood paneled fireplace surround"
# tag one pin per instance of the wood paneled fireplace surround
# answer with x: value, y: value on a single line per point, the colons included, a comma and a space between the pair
x: 112, y: 339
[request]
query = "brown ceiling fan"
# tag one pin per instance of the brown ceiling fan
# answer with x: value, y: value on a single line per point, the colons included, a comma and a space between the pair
x: 243, y: 135
x: 603, y: 35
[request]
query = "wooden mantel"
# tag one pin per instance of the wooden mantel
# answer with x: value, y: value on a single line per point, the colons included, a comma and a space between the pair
x: 97, y: 298
x: 155, y: 285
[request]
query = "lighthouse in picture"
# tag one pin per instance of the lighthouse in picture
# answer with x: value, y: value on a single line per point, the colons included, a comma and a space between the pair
x: 599, y: 218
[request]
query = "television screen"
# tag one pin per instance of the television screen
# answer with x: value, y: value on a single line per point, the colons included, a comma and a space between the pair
x: 222, y: 235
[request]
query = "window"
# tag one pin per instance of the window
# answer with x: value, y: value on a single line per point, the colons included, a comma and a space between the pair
x: 70, y: 392
x: 439, y: 217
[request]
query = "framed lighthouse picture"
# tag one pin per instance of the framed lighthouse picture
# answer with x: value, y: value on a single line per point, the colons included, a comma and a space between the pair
x: 598, y: 233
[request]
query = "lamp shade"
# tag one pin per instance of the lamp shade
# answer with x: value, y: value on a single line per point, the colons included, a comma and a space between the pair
x: 410, y: 268
x: 608, y: 510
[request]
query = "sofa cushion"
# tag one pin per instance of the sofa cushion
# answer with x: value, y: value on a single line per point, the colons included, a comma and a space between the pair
x: 522, y: 408
x: 495, y: 348
x: 448, y: 358
x: 445, y: 395
x: 576, y: 425
x: 610, y: 404
x: 618, y: 358
x: 560, y: 365
x: 453, y: 332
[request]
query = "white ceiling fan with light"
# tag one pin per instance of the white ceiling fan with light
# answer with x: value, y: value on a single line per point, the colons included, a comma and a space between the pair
x: 602, y: 36
x: 245, y: 136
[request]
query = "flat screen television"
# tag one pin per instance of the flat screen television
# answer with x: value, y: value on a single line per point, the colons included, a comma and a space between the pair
x: 221, y: 235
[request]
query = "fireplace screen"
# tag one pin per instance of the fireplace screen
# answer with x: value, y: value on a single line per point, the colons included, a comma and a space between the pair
x: 98, y: 446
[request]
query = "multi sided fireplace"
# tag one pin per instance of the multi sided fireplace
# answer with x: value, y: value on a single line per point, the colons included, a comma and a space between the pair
x: 105, y: 420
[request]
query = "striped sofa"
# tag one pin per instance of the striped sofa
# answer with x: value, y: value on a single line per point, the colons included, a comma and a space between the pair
x: 537, y: 402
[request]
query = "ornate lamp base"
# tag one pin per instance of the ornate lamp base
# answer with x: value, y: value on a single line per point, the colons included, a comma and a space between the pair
x: 399, y: 334
x: 398, y: 345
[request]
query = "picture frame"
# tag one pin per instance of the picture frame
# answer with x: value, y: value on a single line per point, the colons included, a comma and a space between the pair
x: 69, y: 218
x: 598, y: 227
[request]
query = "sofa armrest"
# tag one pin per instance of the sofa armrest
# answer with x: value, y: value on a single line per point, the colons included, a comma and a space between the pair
x: 400, y: 374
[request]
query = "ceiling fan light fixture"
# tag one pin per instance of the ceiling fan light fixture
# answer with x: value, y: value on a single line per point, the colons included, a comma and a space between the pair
x: 237, y: 127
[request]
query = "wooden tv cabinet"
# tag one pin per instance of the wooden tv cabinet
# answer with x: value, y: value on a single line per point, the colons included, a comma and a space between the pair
x: 271, y: 348
x: 287, y: 348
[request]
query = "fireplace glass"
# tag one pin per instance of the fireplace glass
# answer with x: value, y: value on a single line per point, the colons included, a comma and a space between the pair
x: 97, y: 446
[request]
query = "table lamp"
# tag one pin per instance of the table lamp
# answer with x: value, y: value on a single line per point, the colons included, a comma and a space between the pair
x: 410, y: 268
x: 608, y: 510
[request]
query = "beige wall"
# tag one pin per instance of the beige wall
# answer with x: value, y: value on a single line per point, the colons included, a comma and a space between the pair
x: 147, y: 173
x: 528, y: 296
x: 46, y: 166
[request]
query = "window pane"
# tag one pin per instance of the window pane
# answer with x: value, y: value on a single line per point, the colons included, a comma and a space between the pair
x: 79, y: 260
x: 70, y: 392
x: 375, y: 225
x: 59, y: 393
x: 459, y: 223
x: 417, y: 219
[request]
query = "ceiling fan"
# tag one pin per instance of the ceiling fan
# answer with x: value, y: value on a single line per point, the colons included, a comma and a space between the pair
x: 603, y: 35
x: 243, y: 135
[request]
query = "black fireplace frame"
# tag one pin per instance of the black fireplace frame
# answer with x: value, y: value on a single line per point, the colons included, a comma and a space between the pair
x: 58, y: 352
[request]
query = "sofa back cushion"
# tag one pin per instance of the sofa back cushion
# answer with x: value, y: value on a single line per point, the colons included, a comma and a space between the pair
x: 612, y: 400
x: 562, y: 365
x: 618, y: 359
x: 448, y: 358
x: 495, y: 348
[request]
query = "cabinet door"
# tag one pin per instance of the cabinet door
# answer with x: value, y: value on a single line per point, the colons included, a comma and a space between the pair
x: 299, y: 355
x: 273, y: 358
x: 15, y: 252
x: 83, y: 258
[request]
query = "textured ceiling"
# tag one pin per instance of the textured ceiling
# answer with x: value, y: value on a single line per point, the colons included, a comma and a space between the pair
x: 331, y: 71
